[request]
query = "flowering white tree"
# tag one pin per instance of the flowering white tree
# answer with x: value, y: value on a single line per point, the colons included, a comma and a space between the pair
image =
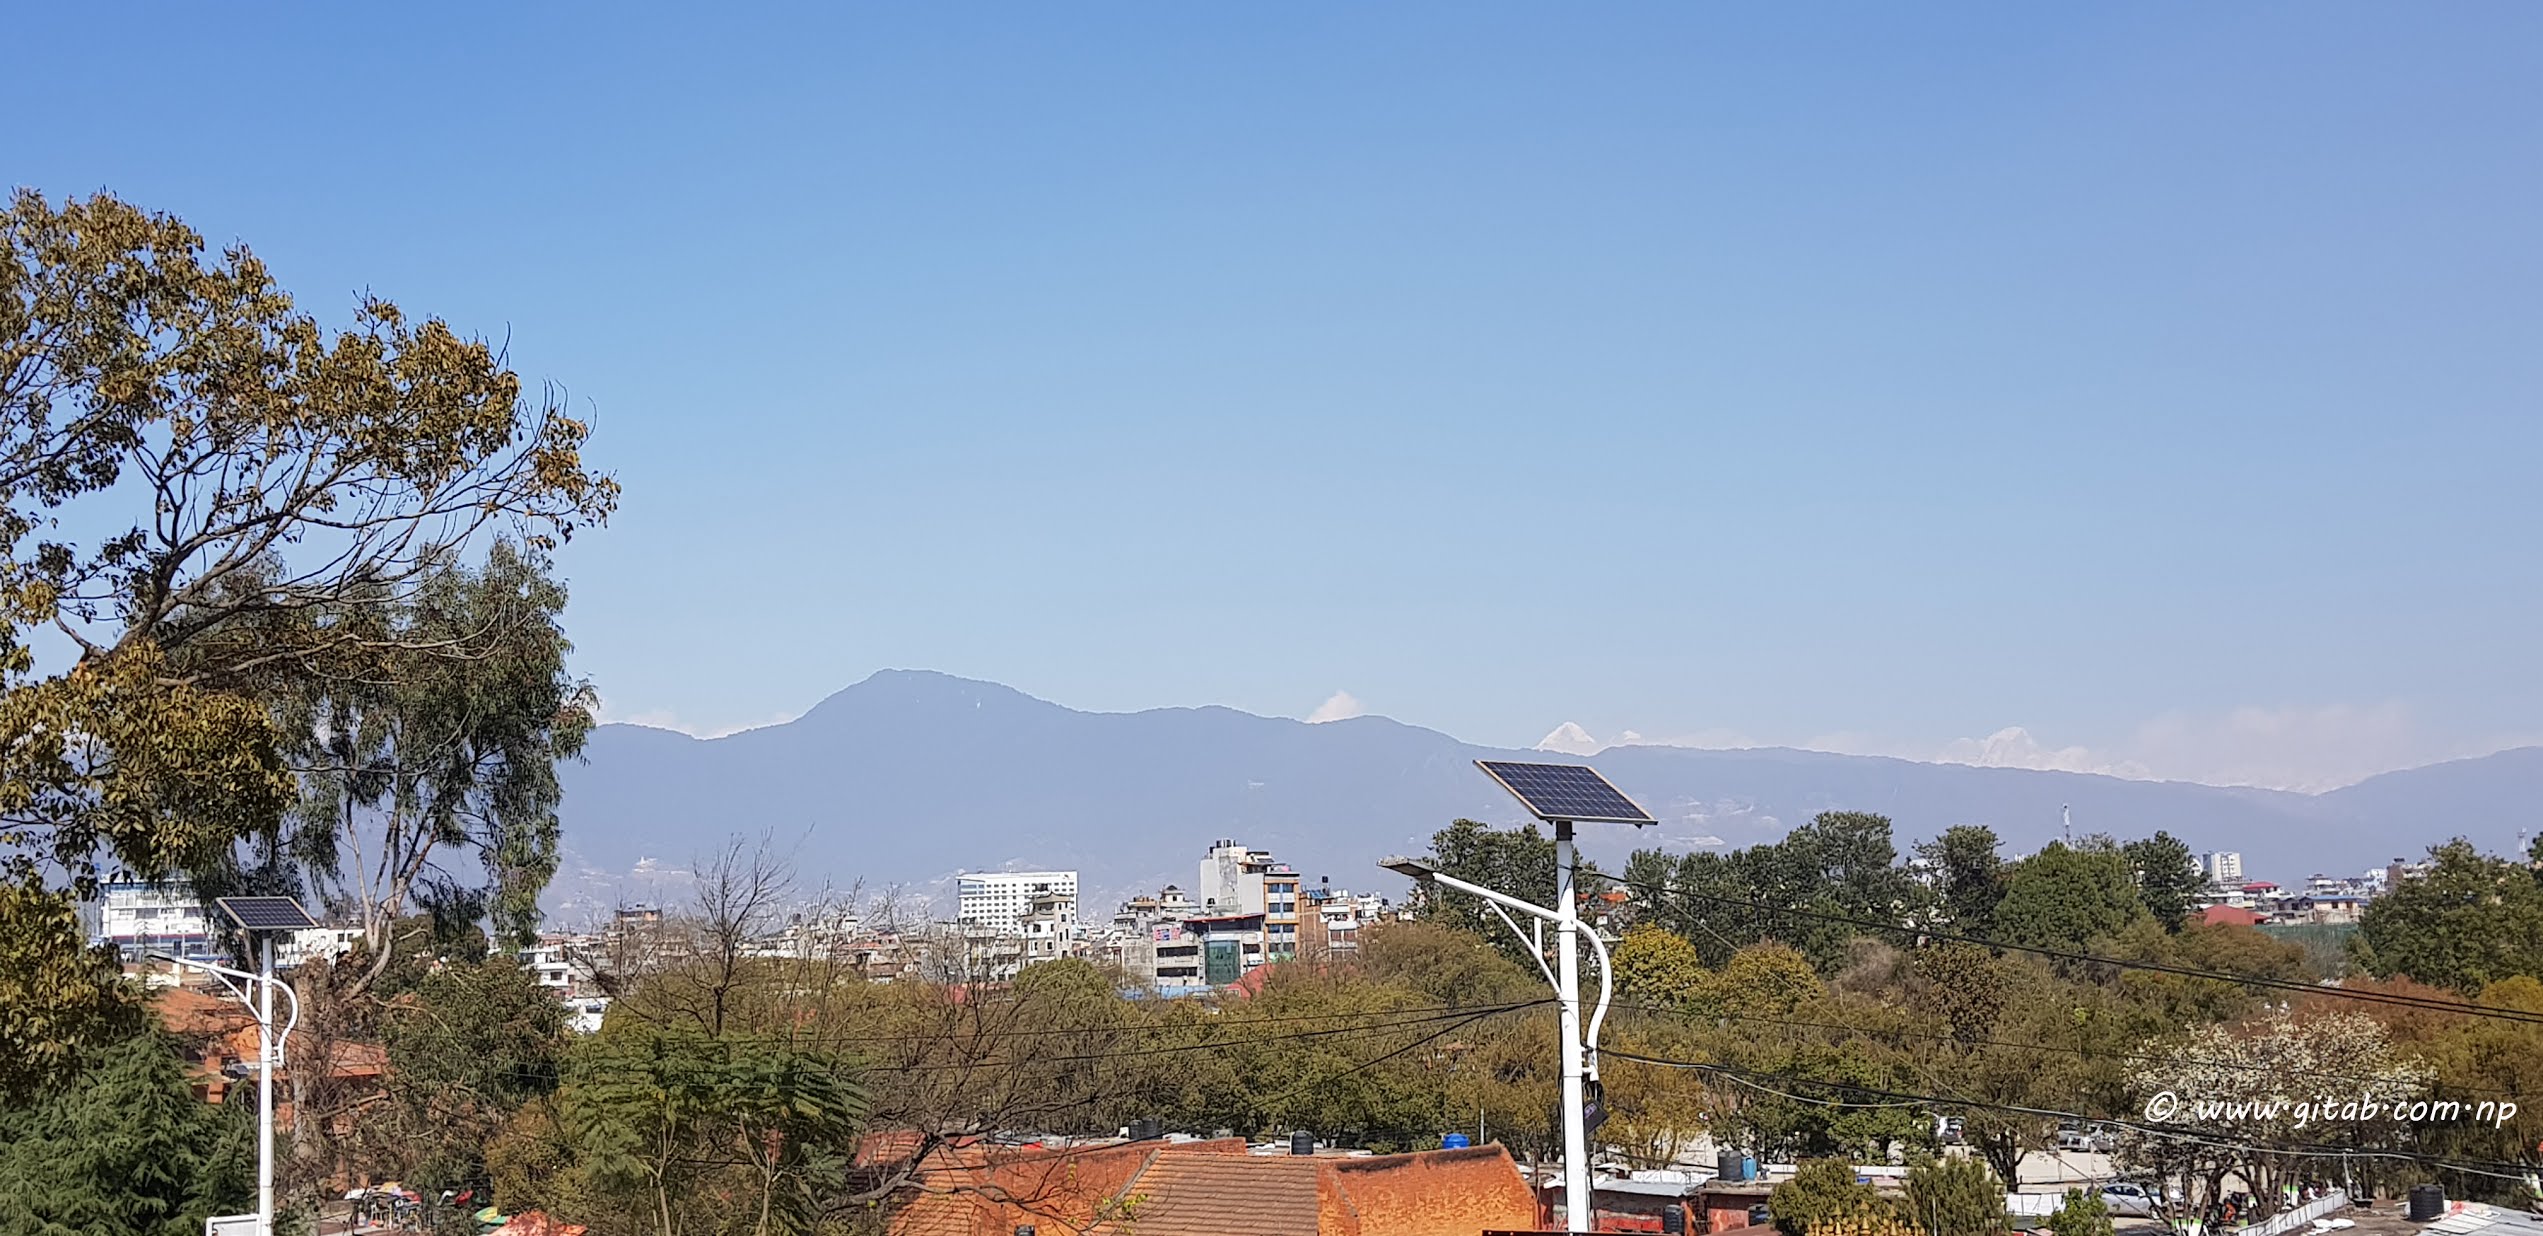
x: 2271, y: 1101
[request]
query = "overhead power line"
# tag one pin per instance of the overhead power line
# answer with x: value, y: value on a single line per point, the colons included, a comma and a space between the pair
x: 1446, y: 1021
x: 1736, y: 1073
x: 1879, y: 1032
x: 2396, y: 999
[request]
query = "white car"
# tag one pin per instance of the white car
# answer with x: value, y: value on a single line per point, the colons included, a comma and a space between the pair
x: 2128, y: 1199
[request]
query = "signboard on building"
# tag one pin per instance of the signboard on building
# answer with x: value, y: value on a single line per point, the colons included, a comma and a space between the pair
x: 1222, y: 962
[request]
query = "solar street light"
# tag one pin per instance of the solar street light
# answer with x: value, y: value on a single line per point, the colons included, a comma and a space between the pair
x: 1561, y: 795
x: 1412, y: 868
x: 261, y: 916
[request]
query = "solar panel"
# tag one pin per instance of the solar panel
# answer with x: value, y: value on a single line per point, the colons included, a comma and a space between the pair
x: 1565, y: 792
x: 266, y: 913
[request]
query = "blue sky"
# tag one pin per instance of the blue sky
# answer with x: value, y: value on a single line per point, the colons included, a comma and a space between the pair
x: 2157, y: 379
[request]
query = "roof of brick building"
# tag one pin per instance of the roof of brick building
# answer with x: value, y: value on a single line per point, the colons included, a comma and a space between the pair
x: 1216, y: 1188
x: 1432, y: 1193
x: 1224, y: 1195
x: 979, y: 1189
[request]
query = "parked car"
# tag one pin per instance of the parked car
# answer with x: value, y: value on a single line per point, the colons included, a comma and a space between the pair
x: 2094, y: 1139
x: 2130, y: 1199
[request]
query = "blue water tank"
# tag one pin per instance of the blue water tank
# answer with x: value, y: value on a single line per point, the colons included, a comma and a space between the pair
x: 1748, y: 1167
x: 1454, y: 1141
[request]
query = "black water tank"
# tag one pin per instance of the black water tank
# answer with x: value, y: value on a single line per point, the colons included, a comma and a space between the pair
x: 2427, y: 1202
x: 1302, y: 1142
x: 1673, y: 1221
x: 1726, y: 1165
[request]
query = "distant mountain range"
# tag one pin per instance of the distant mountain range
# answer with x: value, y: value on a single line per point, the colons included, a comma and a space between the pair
x: 910, y: 776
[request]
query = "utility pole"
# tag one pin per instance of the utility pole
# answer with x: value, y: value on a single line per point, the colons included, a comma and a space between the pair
x: 269, y: 1057
x: 1578, y: 1198
x: 1559, y: 795
x: 260, y: 918
x: 266, y: 1059
x: 1578, y: 1050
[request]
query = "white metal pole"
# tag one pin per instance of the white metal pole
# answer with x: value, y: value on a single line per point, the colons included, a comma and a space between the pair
x: 1567, y: 924
x: 265, y: 1093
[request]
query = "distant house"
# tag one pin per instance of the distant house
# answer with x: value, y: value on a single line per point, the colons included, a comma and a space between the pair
x: 2230, y: 916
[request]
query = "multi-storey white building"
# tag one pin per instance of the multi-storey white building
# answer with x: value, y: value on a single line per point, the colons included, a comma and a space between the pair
x: 1005, y: 900
x: 2222, y: 867
x: 140, y: 918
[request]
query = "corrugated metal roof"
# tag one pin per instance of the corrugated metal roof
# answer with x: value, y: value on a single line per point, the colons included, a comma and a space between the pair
x: 2464, y: 1218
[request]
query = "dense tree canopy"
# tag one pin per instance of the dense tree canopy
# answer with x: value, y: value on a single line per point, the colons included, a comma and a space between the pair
x: 2068, y: 896
x: 227, y: 511
x: 2471, y: 920
x: 1967, y: 875
x: 124, y: 1147
x: 2168, y: 880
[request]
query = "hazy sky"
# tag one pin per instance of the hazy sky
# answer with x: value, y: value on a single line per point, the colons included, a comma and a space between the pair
x: 2158, y: 379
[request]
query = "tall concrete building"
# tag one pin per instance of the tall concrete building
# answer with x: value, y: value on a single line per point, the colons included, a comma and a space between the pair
x: 2222, y: 867
x: 1238, y: 882
x: 1007, y: 900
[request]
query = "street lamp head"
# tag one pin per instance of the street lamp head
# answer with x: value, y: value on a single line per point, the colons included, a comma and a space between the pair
x: 1412, y: 868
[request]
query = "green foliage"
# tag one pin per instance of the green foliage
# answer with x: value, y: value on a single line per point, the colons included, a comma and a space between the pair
x: 1968, y: 876
x: 1964, y: 987
x: 2476, y: 1058
x: 468, y: 1046
x: 1821, y: 1191
x: 2082, y: 1214
x: 1450, y: 967
x: 124, y: 1149
x: 662, y: 1122
x: 1843, y: 863
x: 444, y: 738
x: 209, y: 434
x: 1764, y: 980
x: 64, y: 999
x: 2066, y: 897
x: 2470, y: 921
x: 2168, y: 879
x: 1955, y: 1197
x: 1516, y: 861
x: 1789, y: 1118
x: 1658, y: 966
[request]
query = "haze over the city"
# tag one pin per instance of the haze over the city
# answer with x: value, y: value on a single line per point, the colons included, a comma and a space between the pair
x: 2143, y: 389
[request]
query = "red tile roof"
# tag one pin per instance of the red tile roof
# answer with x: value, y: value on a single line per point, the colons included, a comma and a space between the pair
x: 187, y: 1012
x: 1427, y: 1193
x: 979, y: 1191
x: 2228, y: 916
x: 1224, y: 1195
x: 1216, y: 1189
x: 1433, y: 1193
